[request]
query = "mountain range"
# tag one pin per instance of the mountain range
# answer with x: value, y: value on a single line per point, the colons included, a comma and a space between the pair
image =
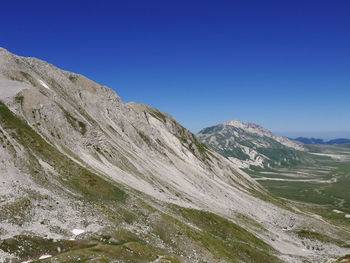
x: 86, y: 177
x: 306, y: 140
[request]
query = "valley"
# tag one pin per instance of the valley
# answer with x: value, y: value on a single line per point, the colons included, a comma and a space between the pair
x: 324, y: 184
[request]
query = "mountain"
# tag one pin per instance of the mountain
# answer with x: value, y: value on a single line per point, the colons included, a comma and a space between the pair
x: 338, y: 141
x: 249, y: 144
x: 321, y: 141
x: 309, y: 140
x: 85, y: 177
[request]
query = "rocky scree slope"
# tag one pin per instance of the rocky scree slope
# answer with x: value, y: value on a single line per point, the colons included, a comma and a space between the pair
x: 249, y: 144
x: 86, y: 177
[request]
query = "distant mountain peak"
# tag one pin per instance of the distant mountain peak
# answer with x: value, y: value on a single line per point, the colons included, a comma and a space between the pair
x: 248, y: 144
x: 260, y: 130
x: 251, y: 126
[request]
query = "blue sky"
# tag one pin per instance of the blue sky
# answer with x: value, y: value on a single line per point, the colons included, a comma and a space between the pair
x: 283, y: 64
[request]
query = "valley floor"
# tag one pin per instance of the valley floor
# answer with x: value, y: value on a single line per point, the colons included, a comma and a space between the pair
x: 321, y: 188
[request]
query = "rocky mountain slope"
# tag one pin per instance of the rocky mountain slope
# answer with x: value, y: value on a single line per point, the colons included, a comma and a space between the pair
x: 249, y: 144
x: 87, y: 177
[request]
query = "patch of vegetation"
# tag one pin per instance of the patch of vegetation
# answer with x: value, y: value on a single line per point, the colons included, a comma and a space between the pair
x: 229, y: 150
x: 129, y: 252
x: 321, y: 237
x: 249, y: 221
x: 76, y: 124
x: 201, y: 147
x: 22, y: 77
x: 19, y: 99
x: 73, y: 77
x: 328, y: 190
x: 345, y: 259
x: 145, y: 138
x: 333, y: 194
x: 120, y: 246
x: 190, y: 142
x: 299, y: 191
x: 16, y: 212
x: 28, y: 77
x: 158, y: 115
x: 226, y: 240
x: 211, y: 129
x: 29, y: 247
x: 235, y: 152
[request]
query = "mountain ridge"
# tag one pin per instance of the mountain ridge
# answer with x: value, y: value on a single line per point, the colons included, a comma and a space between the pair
x: 256, y: 128
x: 307, y: 140
x: 249, y: 144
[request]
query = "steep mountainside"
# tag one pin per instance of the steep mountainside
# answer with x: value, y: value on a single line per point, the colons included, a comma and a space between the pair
x: 321, y: 141
x: 86, y: 177
x: 249, y: 144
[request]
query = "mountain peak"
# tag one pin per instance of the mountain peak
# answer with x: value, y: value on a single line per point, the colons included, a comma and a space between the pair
x: 249, y: 144
x: 253, y: 127
x: 236, y: 123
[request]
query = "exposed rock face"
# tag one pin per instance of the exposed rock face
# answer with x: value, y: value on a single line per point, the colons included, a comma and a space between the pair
x: 261, y: 131
x: 74, y: 157
x: 247, y: 144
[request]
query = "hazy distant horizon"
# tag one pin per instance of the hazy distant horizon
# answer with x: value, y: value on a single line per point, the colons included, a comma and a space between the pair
x: 318, y: 135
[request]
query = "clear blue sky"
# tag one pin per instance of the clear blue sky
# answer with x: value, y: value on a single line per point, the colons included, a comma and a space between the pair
x: 284, y: 64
